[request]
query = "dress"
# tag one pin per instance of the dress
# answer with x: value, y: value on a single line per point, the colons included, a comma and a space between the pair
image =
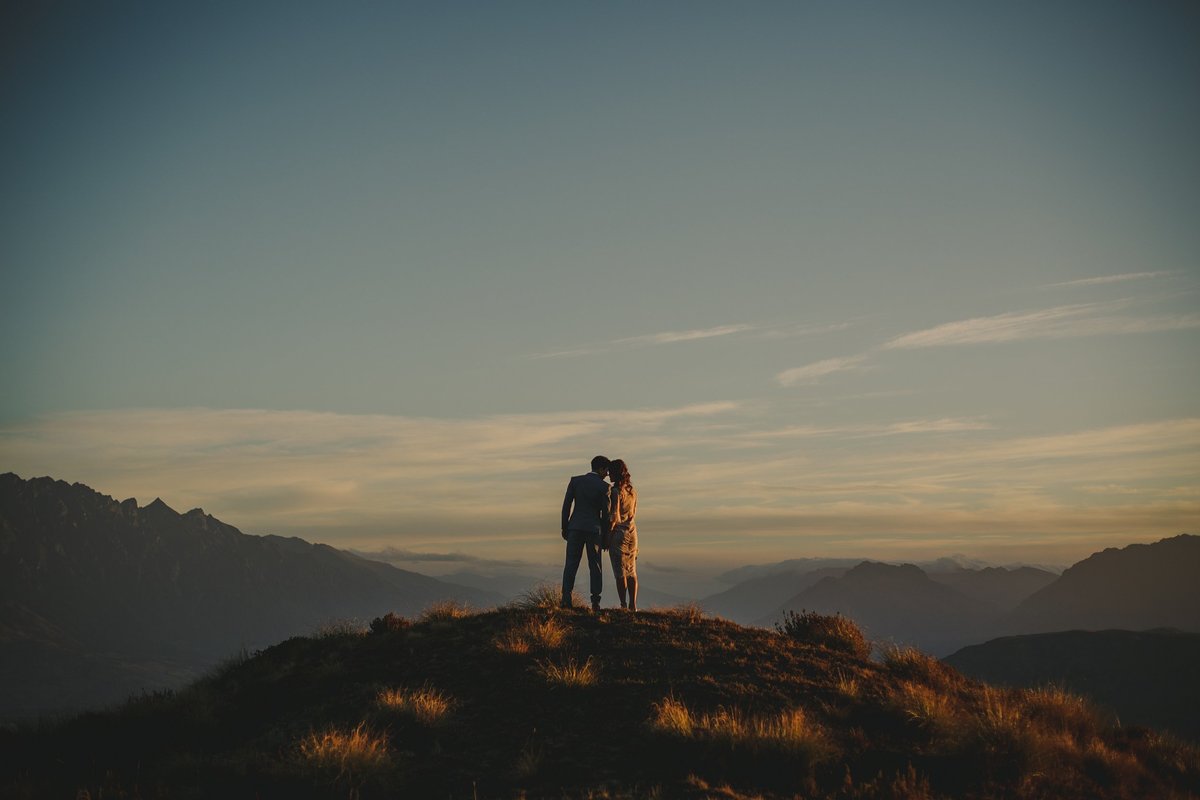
x: 623, y: 550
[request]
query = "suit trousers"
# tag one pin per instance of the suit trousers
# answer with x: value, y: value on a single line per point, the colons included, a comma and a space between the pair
x: 578, y: 543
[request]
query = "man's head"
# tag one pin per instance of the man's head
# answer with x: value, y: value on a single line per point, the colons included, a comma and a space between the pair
x: 600, y: 465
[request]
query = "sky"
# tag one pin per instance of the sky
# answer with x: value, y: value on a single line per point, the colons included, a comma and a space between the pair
x: 835, y: 279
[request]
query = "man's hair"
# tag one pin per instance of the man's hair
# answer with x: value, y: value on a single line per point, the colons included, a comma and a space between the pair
x: 599, y: 463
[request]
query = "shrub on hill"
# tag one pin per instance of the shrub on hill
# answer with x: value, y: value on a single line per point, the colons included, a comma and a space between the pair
x: 390, y: 623
x: 833, y: 632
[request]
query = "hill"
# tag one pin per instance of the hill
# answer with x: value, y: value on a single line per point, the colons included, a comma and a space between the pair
x: 1146, y: 677
x: 899, y: 604
x: 1138, y: 587
x: 535, y: 702
x: 99, y: 597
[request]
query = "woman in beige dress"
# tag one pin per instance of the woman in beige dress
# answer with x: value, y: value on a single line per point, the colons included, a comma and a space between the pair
x: 623, y: 546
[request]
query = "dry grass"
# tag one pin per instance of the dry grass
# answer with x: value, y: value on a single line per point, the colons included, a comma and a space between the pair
x: 788, y: 731
x: 911, y: 663
x: 541, y: 633
x: 390, y: 623
x: 929, y: 708
x: 426, y: 705
x: 445, y: 610
x: 569, y: 672
x: 529, y: 760
x: 1057, y: 709
x: 545, y: 597
x: 847, y: 685
x: 833, y: 632
x: 348, y: 752
x: 691, y: 612
x: 334, y: 628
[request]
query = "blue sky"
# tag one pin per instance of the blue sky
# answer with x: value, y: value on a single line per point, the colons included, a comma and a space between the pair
x: 835, y: 279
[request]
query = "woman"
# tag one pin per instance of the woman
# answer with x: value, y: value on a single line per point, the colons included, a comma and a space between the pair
x: 623, y: 546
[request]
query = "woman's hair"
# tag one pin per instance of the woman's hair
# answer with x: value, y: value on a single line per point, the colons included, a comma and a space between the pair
x: 618, y: 473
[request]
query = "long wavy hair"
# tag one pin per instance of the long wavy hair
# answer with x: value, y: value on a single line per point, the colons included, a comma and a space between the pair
x: 618, y: 473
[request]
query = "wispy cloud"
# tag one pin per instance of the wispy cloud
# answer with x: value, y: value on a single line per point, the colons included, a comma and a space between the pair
x: 1102, y: 279
x: 942, y: 425
x: 670, y: 337
x: 811, y: 373
x: 490, y: 487
x: 1085, y: 319
x: 649, y: 340
x: 400, y: 555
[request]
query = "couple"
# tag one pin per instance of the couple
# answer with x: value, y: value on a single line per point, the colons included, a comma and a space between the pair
x: 598, y: 516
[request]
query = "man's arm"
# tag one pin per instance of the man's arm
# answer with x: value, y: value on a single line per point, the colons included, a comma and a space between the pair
x: 566, y: 511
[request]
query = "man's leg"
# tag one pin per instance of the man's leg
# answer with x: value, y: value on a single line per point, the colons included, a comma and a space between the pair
x: 574, y: 556
x: 593, y: 557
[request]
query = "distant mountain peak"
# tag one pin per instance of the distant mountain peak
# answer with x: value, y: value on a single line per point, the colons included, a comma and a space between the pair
x: 159, y: 505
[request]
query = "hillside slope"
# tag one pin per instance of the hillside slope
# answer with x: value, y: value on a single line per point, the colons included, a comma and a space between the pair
x: 541, y: 703
x: 1146, y: 677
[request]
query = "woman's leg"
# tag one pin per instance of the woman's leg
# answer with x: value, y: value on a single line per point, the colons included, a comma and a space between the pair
x: 614, y: 554
x: 631, y: 588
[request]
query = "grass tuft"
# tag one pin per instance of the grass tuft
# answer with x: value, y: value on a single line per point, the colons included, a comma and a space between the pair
x: 445, y: 610
x: 788, y: 731
x: 336, y: 628
x: 542, y: 633
x: 544, y: 597
x: 426, y: 705
x: 909, y: 662
x: 831, y: 632
x: 390, y: 623
x: 691, y: 612
x: 569, y: 672
x: 353, y: 752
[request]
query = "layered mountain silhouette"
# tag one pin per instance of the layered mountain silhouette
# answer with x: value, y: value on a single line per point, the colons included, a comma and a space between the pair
x: 1138, y: 587
x: 1146, y: 677
x: 999, y: 587
x: 755, y: 598
x: 99, y: 597
x: 900, y: 604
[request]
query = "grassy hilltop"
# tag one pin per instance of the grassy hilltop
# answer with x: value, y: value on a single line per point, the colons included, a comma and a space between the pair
x: 530, y: 701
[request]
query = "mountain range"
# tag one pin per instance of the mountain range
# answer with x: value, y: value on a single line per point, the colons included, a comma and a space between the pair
x: 100, y: 597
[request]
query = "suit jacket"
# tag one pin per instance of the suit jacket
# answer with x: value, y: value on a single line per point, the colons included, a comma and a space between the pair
x: 589, y: 496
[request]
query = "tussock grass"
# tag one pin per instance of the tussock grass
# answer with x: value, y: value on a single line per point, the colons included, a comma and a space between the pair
x: 426, y: 705
x: 544, y: 597
x: 334, y: 628
x: 1055, y: 708
x: 788, y: 731
x: 833, y: 632
x: 909, y: 662
x: 445, y: 610
x: 569, y: 672
x: 390, y: 623
x: 928, y: 707
x: 847, y: 685
x: 355, y: 752
x: 542, y: 633
x: 691, y: 612
x: 529, y: 760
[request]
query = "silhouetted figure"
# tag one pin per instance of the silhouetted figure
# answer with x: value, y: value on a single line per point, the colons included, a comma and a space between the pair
x: 584, y: 517
x: 623, y: 544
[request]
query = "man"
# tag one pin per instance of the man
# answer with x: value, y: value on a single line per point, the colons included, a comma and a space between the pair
x: 584, y: 516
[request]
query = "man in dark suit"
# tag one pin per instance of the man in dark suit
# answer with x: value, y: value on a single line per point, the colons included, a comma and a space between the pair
x: 584, y: 516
